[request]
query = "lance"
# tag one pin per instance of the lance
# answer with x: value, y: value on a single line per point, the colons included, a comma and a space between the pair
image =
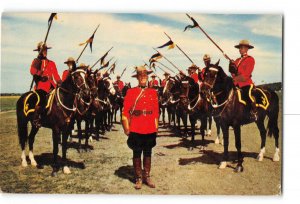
x: 165, y: 66
x: 46, y: 37
x: 180, y: 49
x: 123, y: 72
x: 102, y: 67
x: 101, y: 57
x: 167, y: 59
x: 156, y: 66
x: 197, y: 25
x: 87, y: 44
x: 153, y: 71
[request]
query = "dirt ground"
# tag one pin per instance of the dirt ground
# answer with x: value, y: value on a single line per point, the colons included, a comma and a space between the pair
x: 107, y: 169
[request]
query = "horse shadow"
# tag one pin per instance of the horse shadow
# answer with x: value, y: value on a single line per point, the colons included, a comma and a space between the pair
x: 214, y: 158
x: 185, y: 143
x: 75, y: 145
x: 126, y: 172
x: 46, y: 159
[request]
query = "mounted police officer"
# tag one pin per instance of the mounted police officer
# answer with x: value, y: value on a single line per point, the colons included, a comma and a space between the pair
x: 71, y: 67
x: 164, y: 81
x: 140, y: 122
x: 193, y: 72
x: 207, y: 62
x: 241, y: 70
x: 119, y: 83
x: 153, y: 83
x: 46, y: 78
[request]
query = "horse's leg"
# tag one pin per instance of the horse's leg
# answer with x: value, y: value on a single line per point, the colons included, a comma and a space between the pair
x: 184, y: 120
x: 32, y: 134
x: 22, y: 133
x: 217, y: 141
x: 55, y: 139
x: 263, y: 135
x: 238, y: 146
x: 276, y: 156
x: 87, y: 133
x: 79, y: 134
x: 193, y: 122
x: 66, y: 169
x: 203, y: 127
x: 225, y: 130
x: 209, y: 124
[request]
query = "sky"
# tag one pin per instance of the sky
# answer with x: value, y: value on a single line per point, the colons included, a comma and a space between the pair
x: 133, y: 37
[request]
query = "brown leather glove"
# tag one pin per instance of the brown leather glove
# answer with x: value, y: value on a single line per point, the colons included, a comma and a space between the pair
x: 232, y: 68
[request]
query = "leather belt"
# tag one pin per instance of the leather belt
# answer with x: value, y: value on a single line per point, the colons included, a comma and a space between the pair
x: 140, y: 112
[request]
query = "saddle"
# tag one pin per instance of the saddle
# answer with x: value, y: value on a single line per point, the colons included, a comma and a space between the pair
x: 33, y: 99
x: 260, y: 95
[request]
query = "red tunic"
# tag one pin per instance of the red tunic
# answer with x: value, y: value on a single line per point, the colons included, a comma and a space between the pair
x: 202, y: 74
x: 153, y: 83
x: 163, y: 83
x: 195, y: 77
x: 120, y: 84
x: 65, y: 75
x: 144, y: 123
x: 48, y: 68
x: 245, y: 66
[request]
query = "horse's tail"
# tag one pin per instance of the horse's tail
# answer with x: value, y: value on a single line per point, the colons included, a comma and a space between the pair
x: 273, y: 114
x: 21, y: 123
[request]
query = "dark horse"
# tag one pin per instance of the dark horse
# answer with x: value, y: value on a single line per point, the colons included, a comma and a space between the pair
x: 226, y: 101
x: 119, y: 100
x: 171, y: 98
x: 62, y: 104
x: 195, y: 105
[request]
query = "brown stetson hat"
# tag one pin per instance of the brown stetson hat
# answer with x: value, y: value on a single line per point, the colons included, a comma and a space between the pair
x: 206, y: 57
x: 244, y: 43
x: 166, y: 74
x: 70, y: 59
x: 82, y: 66
x: 140, y: 70
x: 193, y: 66
x: 41, y: 45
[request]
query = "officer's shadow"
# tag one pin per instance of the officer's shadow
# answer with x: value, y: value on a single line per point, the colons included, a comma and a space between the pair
x: 126, y: 172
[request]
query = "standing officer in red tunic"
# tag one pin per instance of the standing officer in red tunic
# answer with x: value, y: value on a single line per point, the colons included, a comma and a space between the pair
x: 45, y: 76
x: 140, y: 122
x: 71, y: 67
x: 241, y: 70
x: 119, y: 83
x: 153, y: 83
x: 164, y: 81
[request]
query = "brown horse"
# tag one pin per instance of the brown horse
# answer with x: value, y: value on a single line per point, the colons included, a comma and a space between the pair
x: 229, y: 107
x: 62, y: 104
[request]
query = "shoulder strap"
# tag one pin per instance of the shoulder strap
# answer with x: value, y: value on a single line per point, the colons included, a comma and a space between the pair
x: 136, y: 101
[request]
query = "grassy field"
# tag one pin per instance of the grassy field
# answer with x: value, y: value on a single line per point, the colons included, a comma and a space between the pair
x: 107, y: 169
x: 8, y: 103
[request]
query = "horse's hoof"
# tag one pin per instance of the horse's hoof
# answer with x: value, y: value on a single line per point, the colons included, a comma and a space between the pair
x: 260, y: 157
x: 90, y: 139
x: 24, y: 163
x: 202, y: 148
x: 217, y: 141
x: 239, y: 168
x: 222, y: 165
x: 66, y: 170
x: 190, y: 148
x: 54, y: 174
x: 33, y: 163
x: 276, y: 158
x: 79, y: 150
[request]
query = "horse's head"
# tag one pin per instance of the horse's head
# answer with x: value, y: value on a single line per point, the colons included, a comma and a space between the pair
x: 125, y: 88
x: 83, y: 90
x: 105, y: 87
x: 168, y: 87
x: 214, y: 76
x: 92, y: 82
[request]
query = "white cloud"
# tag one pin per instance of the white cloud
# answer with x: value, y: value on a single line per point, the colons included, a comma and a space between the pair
x: 269, y: 25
